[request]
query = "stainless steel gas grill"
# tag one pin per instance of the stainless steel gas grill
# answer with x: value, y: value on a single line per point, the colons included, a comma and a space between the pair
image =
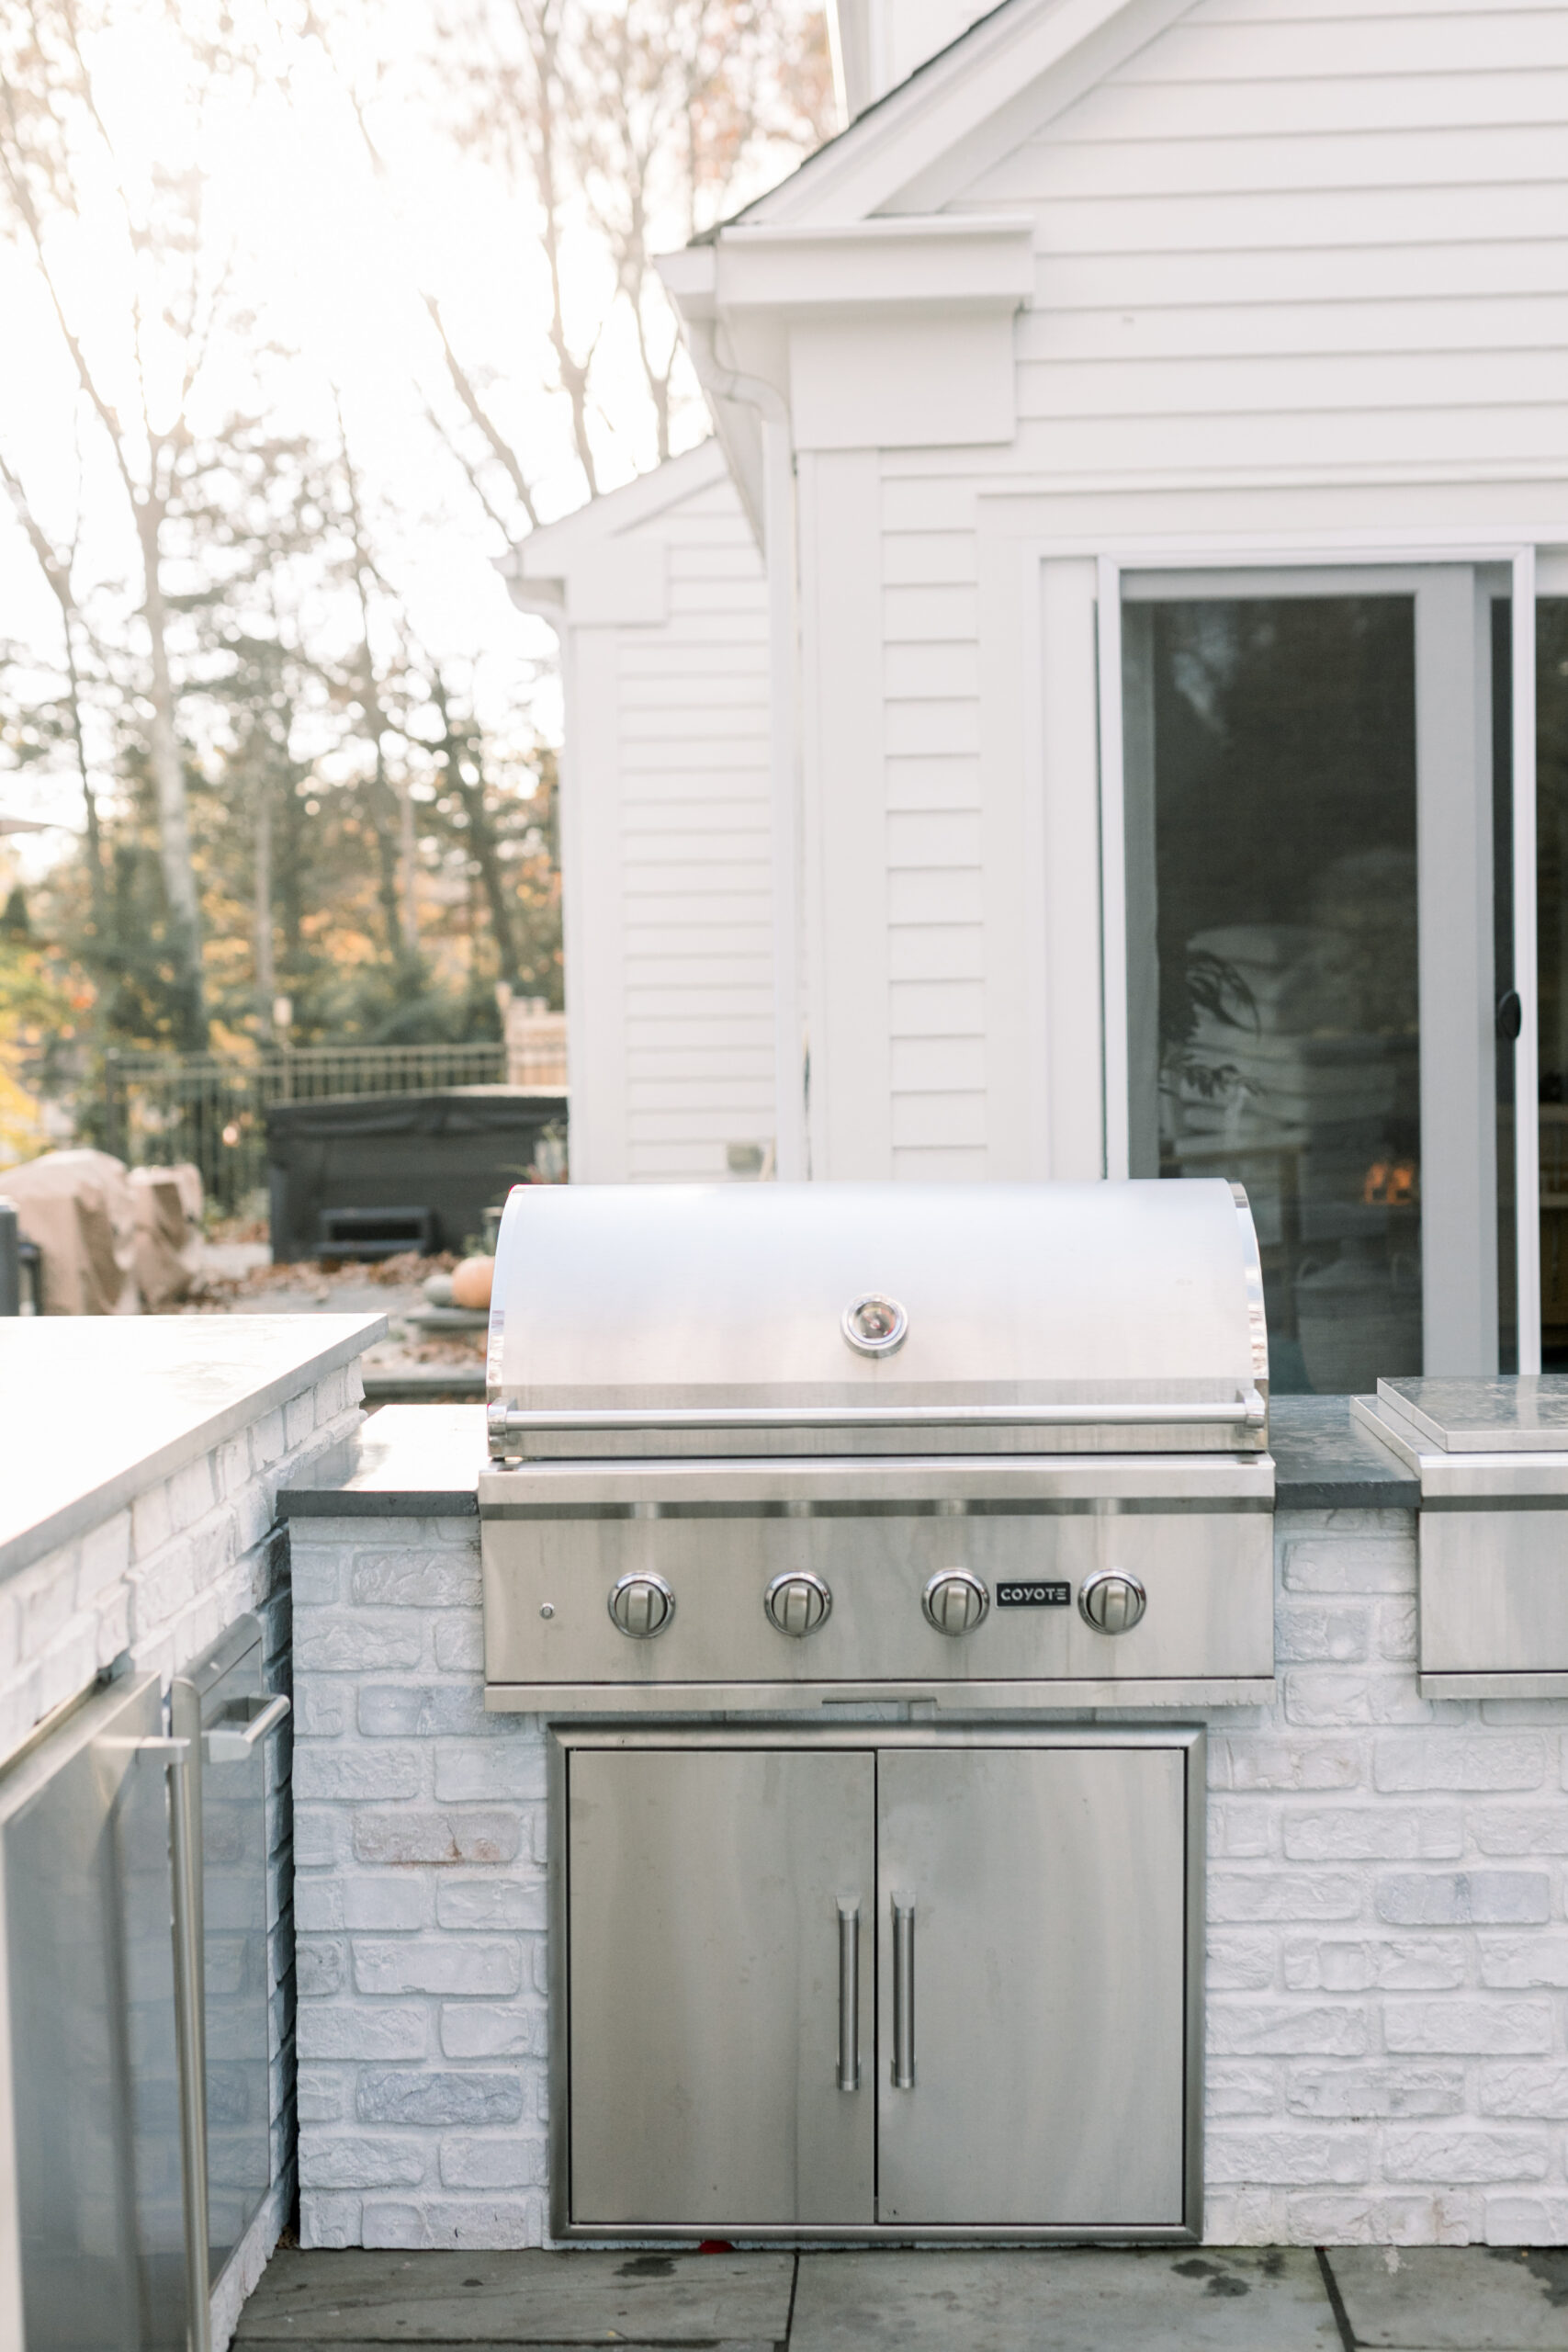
x: 773, y: 1446
x: 855, y: 1455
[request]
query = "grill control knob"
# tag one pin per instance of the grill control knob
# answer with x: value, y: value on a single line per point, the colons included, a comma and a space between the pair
x: 1112, y: 1600
x: 954, y: 1601
x: 797, y: 1604
x: 641, y: 1605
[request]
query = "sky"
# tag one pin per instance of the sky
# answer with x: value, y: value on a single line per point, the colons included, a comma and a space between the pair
x: 332, y: 256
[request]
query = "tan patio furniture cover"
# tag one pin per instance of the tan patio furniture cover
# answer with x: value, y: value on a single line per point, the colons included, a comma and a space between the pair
x: 168, y: 1232
x: 80, y: 1209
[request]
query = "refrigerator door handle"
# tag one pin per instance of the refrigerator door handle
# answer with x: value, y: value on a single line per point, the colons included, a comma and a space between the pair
x: 183, y: 1857
x: 238, y: 1732
x: 903, y: 1995
x: 849, y: 1992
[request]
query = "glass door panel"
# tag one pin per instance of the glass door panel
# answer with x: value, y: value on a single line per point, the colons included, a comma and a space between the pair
x: 1310, y: 984
x: 1551, y: 921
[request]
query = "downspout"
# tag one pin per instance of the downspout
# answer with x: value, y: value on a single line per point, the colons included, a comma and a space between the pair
x: 792, y: 1159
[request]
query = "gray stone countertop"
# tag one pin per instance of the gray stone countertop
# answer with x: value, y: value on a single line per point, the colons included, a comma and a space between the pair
x: 405, y: 1462
x: 423, y: 1461
x: 1324, y: 1461
x: 95, y: 1410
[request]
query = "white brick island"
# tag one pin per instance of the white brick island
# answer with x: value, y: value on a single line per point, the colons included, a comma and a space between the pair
x: 1387, y: 1885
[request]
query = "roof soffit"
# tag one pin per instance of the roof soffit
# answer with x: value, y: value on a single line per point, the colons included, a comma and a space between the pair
x: 1000, y: 83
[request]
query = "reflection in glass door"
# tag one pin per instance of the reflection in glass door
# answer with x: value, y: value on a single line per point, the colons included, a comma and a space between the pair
x: 1551, y: 921
x: 1310, y: 956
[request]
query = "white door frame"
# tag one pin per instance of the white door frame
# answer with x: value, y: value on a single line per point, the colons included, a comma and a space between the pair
x: 1343, y: 552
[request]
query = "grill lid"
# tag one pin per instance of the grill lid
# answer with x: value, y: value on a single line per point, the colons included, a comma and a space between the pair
x: 763, y: 1319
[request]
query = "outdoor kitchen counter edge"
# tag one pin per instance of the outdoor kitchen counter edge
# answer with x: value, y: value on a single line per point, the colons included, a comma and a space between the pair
x: 96, y: 1409
x: 424, y: 1462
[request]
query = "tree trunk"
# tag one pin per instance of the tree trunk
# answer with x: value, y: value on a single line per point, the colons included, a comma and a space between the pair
x: 173, y: 815
x: 266, y: 969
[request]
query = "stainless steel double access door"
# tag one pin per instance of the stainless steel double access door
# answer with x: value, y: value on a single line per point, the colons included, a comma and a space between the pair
x: 877, y: 1981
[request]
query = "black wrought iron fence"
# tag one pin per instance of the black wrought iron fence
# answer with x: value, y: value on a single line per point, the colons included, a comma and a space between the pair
x: 211, y: 1108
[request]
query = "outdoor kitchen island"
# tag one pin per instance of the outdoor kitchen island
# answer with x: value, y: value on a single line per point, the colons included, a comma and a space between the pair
x: 1386, y: 1946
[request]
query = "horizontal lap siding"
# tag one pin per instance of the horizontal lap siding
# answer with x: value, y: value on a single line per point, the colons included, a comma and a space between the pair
x: 696, y: 876
x: 1303, y: 235
x: 931, y: 683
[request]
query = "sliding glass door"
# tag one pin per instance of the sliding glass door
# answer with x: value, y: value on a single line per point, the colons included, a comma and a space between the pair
x: 1315, y: 852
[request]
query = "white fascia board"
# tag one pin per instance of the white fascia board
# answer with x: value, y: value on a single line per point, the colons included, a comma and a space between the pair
x: 550, y: 550
x: 965, y: 262
x: 597, y: 565
x: 1010, y: 73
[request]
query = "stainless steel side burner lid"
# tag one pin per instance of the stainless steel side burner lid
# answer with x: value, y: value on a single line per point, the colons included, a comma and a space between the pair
x: 771, y: 1445
x: 809, y: 1319
x: 1492, y: 1457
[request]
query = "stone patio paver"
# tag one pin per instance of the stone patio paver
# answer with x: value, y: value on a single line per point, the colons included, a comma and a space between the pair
x: 1076, y: 2300
x: 1454, y: 2299
x: 341, y: 2302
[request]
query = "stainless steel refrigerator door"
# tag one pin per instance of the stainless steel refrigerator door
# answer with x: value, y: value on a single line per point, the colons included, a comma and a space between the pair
x: 232, y: 1805
x: 94, y: 2075
x: 709, y: 1961
x: 1032, y: 1982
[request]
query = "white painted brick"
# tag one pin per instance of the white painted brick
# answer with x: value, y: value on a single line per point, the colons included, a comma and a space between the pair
x: 1374, y: 1832
x: 362, y: 2030
x: 316, y: 1576
x: 191, y: 1491
x: 514, y: 2162
x: 1233, y: 2089
x: 1402, y: 1965
x: 330, y: 2220
x: 298, y: 1418
x: 1326, y: 1696
x: 322, y: 1707
x: 1479, y: 2027
x: 426, y: 1710
x: 395, y: 1579
x: 1244, y: 2216
x: 333, y: 1772
x: 152, y: 1522
x: 455, y: 2221
x: 1241, y: 1831
x: 1518, y: 1963
x: 1289, y: 2157
x: 1457, y: 2152
x: 1330, y: 1564
x: 1356, y: 2094
x: 360, y: 2159
x: 1524, y: 2090
x: 1462, y: 1757
x: 322, y: 1838
x: 1520, y: 1829
x: 460, y: 1644
x: 1322, y: 1634
x: 490, y: 1903
x: 323, y: 2095
x: 1282, y: 2028
x: 474, y: 1771
x: 1448, y: 1898
x: 412, y: 1835
x: 1241, y: 1961
x: 356, y: 1645
x: 1272, y: 1763
x: 1395, y: 1629
x: 434, y: 2098
x: 482, y: 2029
x: 1237, y: 1896
x: 102, y: 1557
x: 437, y: 1964
x: 1326, y: 2219
x: 1527, y: 2221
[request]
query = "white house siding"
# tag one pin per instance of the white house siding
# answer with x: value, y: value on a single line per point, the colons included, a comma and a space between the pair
x: 658, y: 595
x: 696, y: 866
x: 1299, y: 267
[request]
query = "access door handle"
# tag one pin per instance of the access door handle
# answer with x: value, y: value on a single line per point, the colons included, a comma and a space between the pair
x: 903, y: 1995
x: 241, y: 1728
x: 849, y: 1993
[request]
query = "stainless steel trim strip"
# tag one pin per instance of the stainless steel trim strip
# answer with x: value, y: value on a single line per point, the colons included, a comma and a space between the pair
x: 600, y: 1700
x: 903, y: 1995
x: 849, y: 1993
x: 1035, y: 1507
